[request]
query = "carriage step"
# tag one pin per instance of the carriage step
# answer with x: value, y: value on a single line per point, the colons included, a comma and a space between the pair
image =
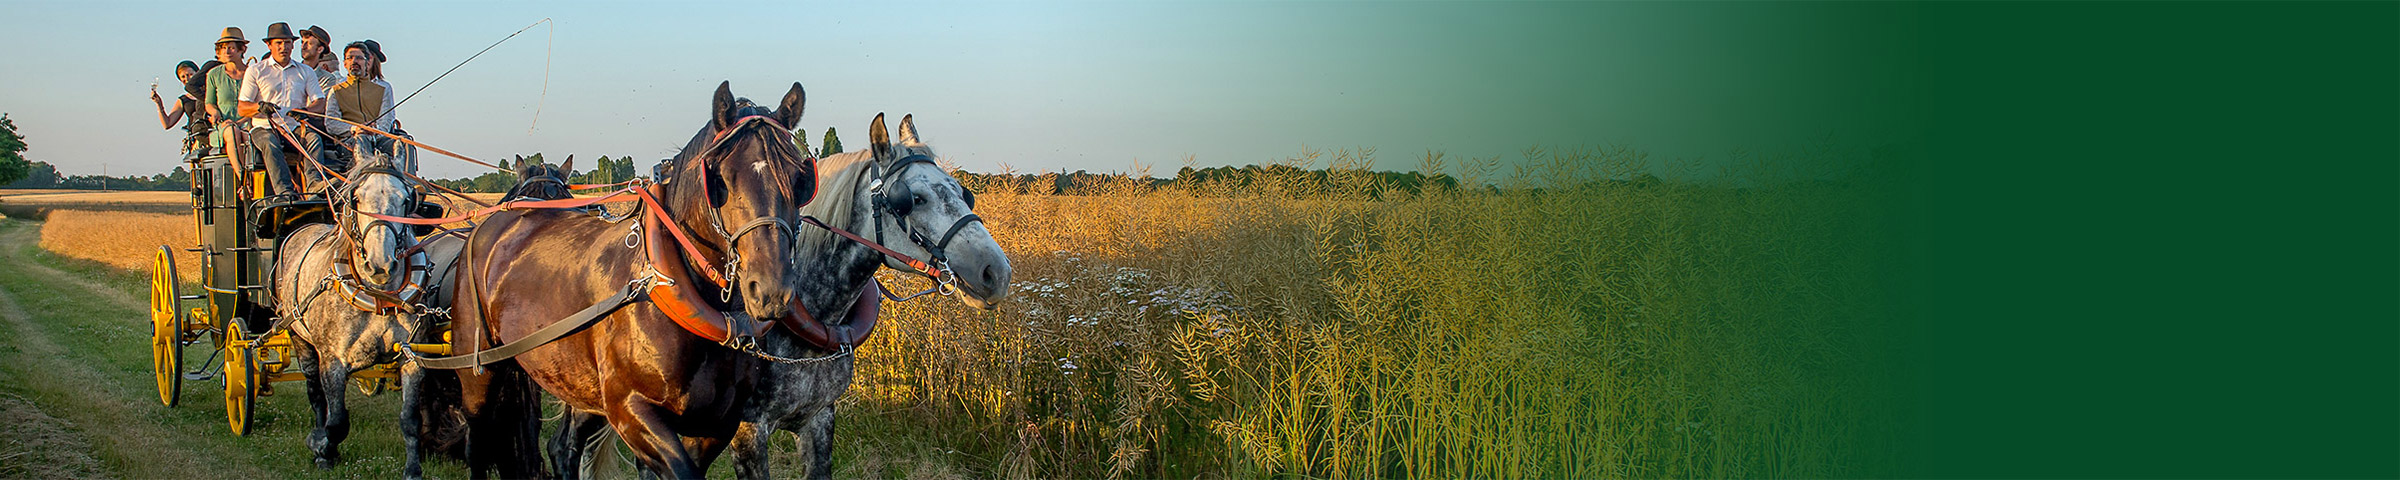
x: 249, y: 249
x: 250, y: 287
x: 199, y: 375
x: 190, y: 297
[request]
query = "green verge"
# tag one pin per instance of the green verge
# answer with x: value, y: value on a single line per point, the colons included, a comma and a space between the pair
x: 86, y: 359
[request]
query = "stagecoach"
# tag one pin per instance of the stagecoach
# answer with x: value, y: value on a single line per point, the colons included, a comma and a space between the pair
x: 240, y: 226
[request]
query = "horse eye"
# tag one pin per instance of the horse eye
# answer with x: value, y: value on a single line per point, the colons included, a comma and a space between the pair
x: 970, y: 194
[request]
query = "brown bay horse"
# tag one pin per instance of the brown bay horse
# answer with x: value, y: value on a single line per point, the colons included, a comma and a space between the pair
x: 675, y: 397
x: 894, y: 196
x: 431, y: 420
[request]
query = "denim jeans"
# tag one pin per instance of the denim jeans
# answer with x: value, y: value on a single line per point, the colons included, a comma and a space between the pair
x: 280, y: 157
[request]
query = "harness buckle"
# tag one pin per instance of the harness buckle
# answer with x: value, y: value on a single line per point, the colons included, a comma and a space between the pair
x: 732, y: 277
x: 947, y: 282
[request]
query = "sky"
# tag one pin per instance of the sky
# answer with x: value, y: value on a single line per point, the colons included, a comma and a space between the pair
x: 1028, y: 87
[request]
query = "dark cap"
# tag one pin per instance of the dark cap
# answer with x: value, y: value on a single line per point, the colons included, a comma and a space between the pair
x: 369, y: 46
x: 279, y: 30
x: 318, y: 32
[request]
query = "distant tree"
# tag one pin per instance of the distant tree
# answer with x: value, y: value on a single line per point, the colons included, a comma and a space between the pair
x: 832, y: 143
x: 12, y: 165
x: 800, y: 139
x: 39, y: 175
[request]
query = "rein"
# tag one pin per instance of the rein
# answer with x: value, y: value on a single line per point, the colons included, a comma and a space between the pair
x: 660, y: 284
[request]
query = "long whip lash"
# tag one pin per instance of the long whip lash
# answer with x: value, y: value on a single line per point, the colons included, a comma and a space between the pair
x: 547, y: 48
x: 470, y: 58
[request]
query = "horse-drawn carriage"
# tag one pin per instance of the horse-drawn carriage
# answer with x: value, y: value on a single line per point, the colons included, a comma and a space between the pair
x: 241, y: 228
x: 687, y: 324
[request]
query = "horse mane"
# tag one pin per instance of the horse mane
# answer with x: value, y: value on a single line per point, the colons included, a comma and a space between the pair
x: 358, y: 168
x: 369, y: 159
x: 839, y: 179
x: 701, y: 140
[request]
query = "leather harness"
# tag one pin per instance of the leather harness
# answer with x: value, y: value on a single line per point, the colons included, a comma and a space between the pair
x: 664, y: 284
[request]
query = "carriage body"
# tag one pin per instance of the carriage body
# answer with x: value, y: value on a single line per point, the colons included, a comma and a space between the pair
x: 232, y: 311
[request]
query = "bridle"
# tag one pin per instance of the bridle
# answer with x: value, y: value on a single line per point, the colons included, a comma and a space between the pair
x: 881, y: 190
x: 406, y: 284
x: 716, y: 217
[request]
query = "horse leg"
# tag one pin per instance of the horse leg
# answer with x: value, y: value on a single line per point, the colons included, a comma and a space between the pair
x: 644, y: 427
x: 411, y: 420
x: 750, y: 458
x: 818, y: 433
x: 491, y: 412
x: 336, y: 426
x: 524, y: 441
x: 307, y: 360
x: 569, y: 448
x: 705, y: 450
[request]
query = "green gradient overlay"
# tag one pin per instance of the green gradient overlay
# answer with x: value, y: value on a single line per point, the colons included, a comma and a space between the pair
x: 2159, y: 240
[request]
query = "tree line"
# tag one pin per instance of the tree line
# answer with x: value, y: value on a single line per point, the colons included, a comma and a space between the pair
x: 16, y: 172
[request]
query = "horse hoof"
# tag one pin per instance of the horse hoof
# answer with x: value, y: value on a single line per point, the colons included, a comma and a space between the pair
x: 324, y: 463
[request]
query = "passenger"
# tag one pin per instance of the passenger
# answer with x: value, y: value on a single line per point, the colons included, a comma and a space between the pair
x: 270, y: 91
x: 187, y: 107
x: 221, y: 85
x: 316, y: 50
x: 364, y: 98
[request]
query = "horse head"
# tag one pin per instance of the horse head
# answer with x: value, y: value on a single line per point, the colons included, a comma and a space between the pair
x: 541, y: 181
x: 376, y: 187
x: 738, y: 188
x: 911, y: 195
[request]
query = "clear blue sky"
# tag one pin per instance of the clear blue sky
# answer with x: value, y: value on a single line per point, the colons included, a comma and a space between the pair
x: 1036, y: 86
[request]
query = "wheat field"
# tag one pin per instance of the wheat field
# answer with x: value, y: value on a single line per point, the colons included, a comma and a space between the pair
x: 125, y: 240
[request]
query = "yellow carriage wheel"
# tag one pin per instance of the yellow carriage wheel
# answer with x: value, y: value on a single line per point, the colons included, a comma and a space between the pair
x: 241, y: 379
x: 166, y: 329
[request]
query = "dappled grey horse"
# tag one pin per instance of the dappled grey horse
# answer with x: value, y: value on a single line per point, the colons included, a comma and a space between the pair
x: 345, y: 291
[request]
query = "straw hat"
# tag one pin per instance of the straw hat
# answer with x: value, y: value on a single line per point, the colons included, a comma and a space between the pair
x: 232, y: 34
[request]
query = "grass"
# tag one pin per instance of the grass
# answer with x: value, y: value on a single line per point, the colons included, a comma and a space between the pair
x: 1561, y: 325
x: 80, y: 353
x: 1565, y: 322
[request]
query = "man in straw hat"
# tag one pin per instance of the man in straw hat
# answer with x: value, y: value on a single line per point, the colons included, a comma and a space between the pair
x: 270, y: 91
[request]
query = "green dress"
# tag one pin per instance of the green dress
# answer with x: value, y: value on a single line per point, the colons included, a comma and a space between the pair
x: 221, y: 91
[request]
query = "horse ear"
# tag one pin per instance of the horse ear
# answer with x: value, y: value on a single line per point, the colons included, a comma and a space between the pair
x: 877, y: 141
x: 721, y: 112
x: 794, y: 102
x: 569, y: 165
x: 908, y: 130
